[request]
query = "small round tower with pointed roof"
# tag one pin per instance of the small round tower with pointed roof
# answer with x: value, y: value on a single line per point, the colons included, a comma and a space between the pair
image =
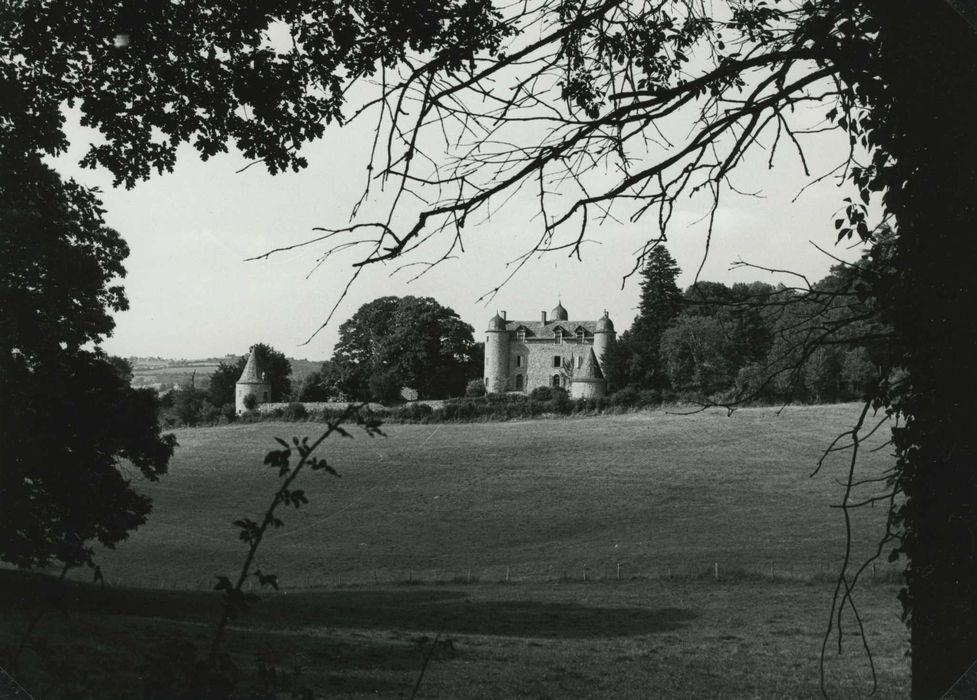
x: 251, y: 383
x: 496, y: 356
x: 588, y: 380
x: 604, y: 335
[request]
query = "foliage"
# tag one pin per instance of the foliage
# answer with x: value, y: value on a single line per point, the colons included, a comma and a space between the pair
x: 393, y: 342
x: 223, y: 381
x: 153, y: 78
x: 636, y: 360
x: 68, y: 416
x: 323, y: 385
x: 475, y: 388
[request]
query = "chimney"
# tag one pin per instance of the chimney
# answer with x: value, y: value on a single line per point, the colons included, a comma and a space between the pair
x: 502, y: 314
x: 542, y: 317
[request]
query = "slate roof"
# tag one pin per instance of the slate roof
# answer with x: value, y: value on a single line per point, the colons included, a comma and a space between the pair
x: 538, y: 329
x: 250, y: 375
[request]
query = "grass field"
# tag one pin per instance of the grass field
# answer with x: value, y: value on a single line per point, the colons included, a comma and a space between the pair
x: 666, y: 497
x: 545, y: 499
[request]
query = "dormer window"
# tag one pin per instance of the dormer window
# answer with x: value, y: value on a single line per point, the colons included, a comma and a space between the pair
x: 559, y: 336
x: 521, y: 335
x: 580, y: 334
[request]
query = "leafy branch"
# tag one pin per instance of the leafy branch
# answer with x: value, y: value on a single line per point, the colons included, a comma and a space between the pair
x: 235, y: 600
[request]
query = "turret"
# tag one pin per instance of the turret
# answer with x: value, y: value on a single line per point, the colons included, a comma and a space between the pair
x: 252, y: 383
x: 604, y: 335
x: 496, y: 356
x: 588, y: 380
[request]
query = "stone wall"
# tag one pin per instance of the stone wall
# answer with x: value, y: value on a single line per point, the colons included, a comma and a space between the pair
x: 537, y: 362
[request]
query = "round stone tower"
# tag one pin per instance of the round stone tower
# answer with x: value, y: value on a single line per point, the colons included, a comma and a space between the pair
x: 604, y: 335
x: 496, y: 356
x: 588, y: 381
x: 251, y: 383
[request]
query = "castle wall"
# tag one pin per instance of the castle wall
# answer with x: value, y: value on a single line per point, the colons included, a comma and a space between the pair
x: 537, y: 362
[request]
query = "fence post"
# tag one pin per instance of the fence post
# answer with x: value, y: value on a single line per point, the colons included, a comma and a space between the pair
x: 507, y: 574
x: 771, y: 570
x: 469, y: 575
x: 668, y: 572
x: 715, y: 570
x: 619, y: 571
x: 375, y: 581
x: 410, y: 575
x: 585, y: 574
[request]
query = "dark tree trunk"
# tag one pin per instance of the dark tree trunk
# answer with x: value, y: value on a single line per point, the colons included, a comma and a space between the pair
x: 929, y: 61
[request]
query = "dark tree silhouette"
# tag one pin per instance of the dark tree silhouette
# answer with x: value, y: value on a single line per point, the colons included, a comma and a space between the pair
x: 636, y: 359
x: 580, y: 105
x: 393, y: 342
x: 68, y: 417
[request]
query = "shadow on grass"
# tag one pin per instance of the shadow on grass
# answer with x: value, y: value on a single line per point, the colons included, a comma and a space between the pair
x: 421, y: 610
x: 455, y: 612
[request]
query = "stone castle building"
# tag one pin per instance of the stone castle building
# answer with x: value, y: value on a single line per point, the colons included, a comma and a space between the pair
x: 553, y: 351
x: 253, y: 382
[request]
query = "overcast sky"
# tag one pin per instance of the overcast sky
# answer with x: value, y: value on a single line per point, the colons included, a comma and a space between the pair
x: 192, y: 294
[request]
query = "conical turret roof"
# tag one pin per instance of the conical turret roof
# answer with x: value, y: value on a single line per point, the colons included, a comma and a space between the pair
x: 590, y: 369
x: 496, y: 323
x: 251, y: 375
x: 605, y: 324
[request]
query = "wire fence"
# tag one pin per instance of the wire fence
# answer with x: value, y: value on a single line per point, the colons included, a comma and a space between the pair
x: 880, y: 573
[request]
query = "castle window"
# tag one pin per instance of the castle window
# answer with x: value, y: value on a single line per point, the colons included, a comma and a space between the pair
x: 580, y: 362
x: 518, y: 382
x: 557, y: 361
x: 556, y: 381
x: 518, y: 360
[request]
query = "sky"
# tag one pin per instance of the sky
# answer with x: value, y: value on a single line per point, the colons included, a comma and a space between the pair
x: 192, y: 293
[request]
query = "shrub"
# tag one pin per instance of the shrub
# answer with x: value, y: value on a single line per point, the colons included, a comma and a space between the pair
x: 251, y: 402
x: 649, y: 397
x: 415, y: 412
x: 541, y: 393
x: 475, y: 388
x: 296, y: 411
x: 628, y: 396
x: 228, y: 413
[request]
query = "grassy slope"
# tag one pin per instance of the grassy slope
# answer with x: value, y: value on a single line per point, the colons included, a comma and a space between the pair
x: 658, y: 639
x: 651, y: 491
x: 543, y: 498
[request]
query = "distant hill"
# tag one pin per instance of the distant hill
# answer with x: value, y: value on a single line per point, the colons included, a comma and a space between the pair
x: 164, y: 374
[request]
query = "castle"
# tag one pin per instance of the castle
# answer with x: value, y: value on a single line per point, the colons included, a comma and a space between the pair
x: 554, y: 351
x: 252, y: 383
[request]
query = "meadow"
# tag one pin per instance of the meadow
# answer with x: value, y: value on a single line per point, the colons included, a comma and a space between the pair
x: 641, y: 555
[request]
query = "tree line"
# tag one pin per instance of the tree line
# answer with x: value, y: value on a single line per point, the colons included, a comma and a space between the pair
x: 747, y: 342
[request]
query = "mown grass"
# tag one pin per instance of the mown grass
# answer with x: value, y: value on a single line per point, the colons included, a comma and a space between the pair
x: 664, y: 496
x: 654, y: 492
x: 678, y: 639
